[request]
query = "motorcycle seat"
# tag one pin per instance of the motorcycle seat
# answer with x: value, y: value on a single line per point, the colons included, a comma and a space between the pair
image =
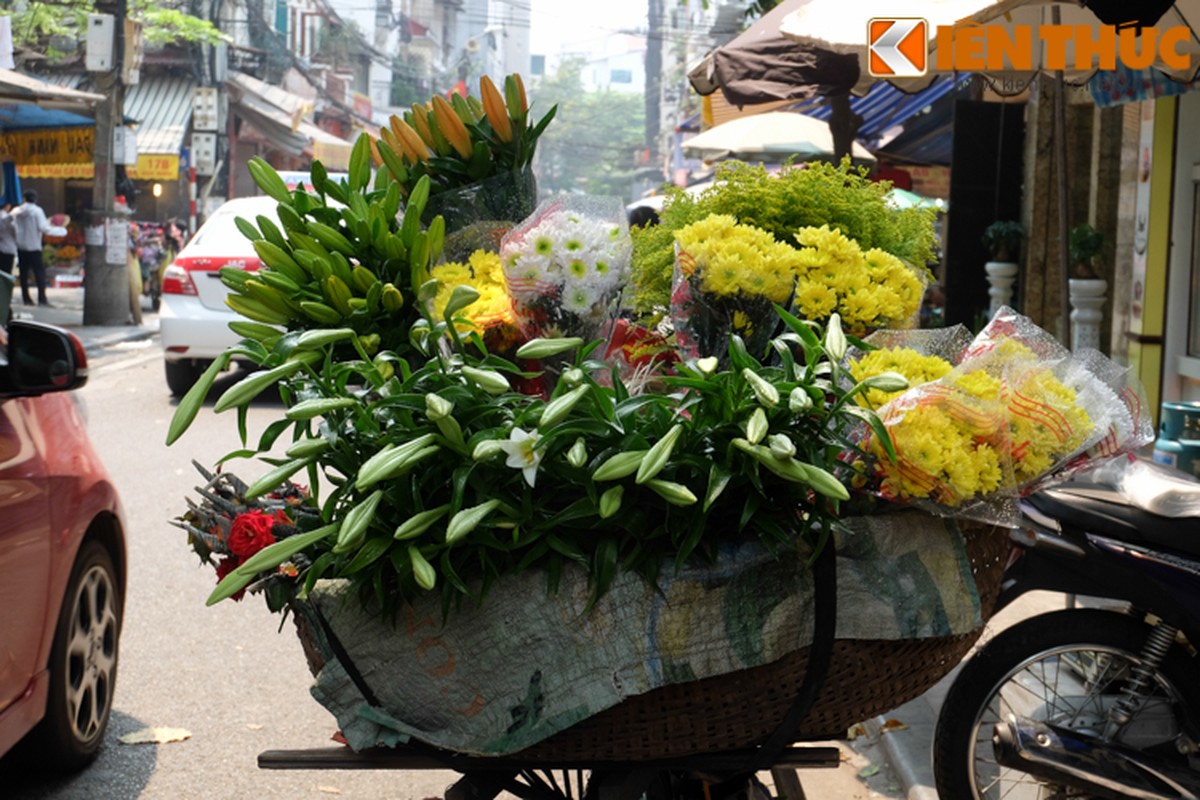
x: 1103, y: 510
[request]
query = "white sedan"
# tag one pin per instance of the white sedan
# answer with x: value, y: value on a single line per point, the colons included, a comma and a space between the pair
x: 194, y: 319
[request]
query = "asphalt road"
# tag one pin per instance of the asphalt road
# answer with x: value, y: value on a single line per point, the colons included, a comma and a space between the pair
x: 229, y: 676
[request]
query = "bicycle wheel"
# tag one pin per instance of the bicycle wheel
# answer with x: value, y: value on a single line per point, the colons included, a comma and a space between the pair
x: 1065, y: 668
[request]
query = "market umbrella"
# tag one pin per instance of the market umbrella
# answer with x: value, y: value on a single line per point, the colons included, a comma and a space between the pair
x: 762, y: 65
x: 772, y: 137
x: 902, y: 198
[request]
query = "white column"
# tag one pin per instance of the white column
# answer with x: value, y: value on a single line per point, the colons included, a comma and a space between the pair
x: 1001, y: 275
x: 1087, y: 304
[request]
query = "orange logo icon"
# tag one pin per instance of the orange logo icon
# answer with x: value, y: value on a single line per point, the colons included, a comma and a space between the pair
x: 897, y: 48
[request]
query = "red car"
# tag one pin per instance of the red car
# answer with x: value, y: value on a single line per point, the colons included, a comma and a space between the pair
x: 62, y: 556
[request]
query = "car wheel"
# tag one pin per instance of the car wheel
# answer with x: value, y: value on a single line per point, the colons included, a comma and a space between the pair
x: 83, y: 665
x: 182, y: 374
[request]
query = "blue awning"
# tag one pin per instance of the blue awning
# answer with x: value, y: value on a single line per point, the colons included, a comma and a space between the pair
x: 885, y: 106
x: 21, y: 116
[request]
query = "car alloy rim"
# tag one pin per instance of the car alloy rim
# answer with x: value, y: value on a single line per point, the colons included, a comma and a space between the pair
x: 91, y: 654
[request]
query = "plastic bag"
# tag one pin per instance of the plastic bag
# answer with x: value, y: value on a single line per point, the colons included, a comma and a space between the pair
x: 1153, y: 487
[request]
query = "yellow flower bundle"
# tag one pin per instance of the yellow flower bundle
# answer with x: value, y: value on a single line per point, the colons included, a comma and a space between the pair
x: 990, y: 425
x: 484, y: 273
x: 869, y: 289
x: 736, y: 260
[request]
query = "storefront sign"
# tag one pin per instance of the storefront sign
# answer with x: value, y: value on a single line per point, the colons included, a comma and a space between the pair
x: 57, y: 146
x: 149, y: 168
x: 155, y: 167
x: 54, y: 170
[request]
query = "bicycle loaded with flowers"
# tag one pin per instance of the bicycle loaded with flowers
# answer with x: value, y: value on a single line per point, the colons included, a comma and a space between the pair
x: 530, y: 417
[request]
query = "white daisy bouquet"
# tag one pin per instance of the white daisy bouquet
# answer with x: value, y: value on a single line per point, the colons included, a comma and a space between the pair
x: 565, y: 267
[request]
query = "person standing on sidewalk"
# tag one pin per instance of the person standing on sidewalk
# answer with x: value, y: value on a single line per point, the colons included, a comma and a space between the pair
x: 8, y: 239
x: 32, y: 225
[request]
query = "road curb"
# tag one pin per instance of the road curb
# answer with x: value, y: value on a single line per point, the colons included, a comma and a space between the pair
x: 909, y: 751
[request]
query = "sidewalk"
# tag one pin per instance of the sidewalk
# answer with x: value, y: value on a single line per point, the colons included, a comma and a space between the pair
x: 66, y: 311
x: 909, y: 750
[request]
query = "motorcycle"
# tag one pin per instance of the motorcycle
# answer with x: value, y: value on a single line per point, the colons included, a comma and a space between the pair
x: 1089, y: 701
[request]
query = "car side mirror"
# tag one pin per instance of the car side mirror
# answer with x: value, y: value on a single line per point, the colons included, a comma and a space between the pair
x: 39, y: 359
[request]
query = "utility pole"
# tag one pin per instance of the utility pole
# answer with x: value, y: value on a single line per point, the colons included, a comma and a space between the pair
x: 654, y: 61
x: 106, y: 299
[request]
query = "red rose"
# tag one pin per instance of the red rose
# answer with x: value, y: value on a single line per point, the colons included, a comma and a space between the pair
x: 225, y: 566
x: 251, y: 532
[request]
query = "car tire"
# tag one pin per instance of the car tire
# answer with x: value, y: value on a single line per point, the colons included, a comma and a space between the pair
x: 182, y: 374
x: 83, y: 666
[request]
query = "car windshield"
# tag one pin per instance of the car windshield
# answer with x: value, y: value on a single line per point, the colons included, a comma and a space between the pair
x: 220, y: 235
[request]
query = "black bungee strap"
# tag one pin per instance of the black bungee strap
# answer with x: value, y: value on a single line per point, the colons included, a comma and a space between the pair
x: 820, y: 656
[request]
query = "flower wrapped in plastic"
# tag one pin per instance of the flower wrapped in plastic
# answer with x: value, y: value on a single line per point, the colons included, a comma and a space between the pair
x: 727, y: 279
x: 972, y: 434
x: 869, y: 289
x: 491, y: 315
x: 565, y: 267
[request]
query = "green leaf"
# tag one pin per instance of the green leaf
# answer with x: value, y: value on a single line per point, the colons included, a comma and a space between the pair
x: 718, y: 478
x: 604, y: 566
x: 877, y: 427
x: 189, y: 406
x: 370, y: 552
x: 799, y: 327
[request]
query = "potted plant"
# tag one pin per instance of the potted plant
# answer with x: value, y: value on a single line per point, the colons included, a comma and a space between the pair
x: 1086, y: 288
x: 1003, y: 240
x: 1085, y: 245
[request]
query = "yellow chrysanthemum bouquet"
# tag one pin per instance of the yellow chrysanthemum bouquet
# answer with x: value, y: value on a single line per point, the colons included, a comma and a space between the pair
x: 729, y: 274
x: 727, y: 278
x: 987, y: 420
x: 491, y: 315
x: 868, y: 288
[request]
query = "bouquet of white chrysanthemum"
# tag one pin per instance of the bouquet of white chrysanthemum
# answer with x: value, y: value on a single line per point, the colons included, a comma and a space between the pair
x: 565, y: 267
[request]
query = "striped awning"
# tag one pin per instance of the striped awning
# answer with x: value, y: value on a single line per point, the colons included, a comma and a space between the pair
x: 885, y: 106
x: 280, y: 117
x: 162, y: 109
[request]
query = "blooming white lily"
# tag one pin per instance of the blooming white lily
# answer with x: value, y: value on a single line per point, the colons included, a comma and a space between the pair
x: 522, y: 454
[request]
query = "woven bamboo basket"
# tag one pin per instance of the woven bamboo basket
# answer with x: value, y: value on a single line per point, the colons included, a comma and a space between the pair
x: 741, y: 709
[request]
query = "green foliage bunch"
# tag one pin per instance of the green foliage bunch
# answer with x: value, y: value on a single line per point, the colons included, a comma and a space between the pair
x: 339, y: 257
x: 443, y: 477
x: 35, y: 24
x: 816, y: 194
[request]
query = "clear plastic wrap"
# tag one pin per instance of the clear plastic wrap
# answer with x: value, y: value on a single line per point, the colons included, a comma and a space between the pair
x: 480, y: 215
x: 565, y: 266
x: 1152, y: 487
x: 727, y: 278
x: 1017, y: 412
